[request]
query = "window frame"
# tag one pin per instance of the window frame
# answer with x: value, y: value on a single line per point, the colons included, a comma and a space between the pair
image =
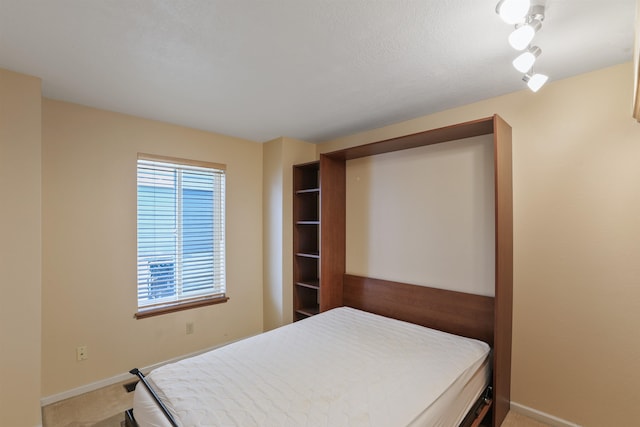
x: 184, y: 303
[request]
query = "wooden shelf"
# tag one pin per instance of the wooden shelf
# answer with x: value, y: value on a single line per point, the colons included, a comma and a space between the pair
x: 313, y: 284
x: 309, y: 254
x: 308, y: 311
x: 308, y: 191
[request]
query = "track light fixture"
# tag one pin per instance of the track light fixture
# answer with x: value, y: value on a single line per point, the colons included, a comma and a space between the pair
x: 527, y: 20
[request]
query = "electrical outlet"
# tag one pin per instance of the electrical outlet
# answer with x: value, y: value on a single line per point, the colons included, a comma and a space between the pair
x: 81, y: 353
x: 189, y: 328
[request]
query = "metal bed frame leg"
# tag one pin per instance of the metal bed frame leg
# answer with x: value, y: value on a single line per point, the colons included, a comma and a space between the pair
x: 165, y: 411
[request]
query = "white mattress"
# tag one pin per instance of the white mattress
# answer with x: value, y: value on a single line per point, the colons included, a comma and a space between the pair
x: 344, y: 367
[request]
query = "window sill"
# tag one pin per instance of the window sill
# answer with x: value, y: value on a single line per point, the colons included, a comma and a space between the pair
x: 180, y: 306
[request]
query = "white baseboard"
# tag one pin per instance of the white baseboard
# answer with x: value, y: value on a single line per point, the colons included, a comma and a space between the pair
x: 48, y: 400
x: 541, y: 416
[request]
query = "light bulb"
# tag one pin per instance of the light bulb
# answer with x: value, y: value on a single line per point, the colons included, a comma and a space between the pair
x: 536, y: 81
x: 525, y: 60
x: 520, y: 38
x: 512, y: 11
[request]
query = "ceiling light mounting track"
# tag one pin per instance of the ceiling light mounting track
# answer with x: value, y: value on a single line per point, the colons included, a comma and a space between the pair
x: 527, y: 20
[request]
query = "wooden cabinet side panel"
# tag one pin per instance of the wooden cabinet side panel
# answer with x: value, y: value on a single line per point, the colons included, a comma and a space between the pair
x: 332, y: 231
x: 504, y: 270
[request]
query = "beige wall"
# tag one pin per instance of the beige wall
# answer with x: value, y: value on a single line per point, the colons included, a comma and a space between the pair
x: 279, y: 157
x: 273, y: 211
x: 576, y: 173
x: 89, y: 245
x: 20, y: 249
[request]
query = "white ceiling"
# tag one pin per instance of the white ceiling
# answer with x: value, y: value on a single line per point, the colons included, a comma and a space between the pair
x: 307, y: 69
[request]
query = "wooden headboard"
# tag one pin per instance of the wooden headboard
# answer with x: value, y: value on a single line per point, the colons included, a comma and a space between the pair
x: 458, y: 313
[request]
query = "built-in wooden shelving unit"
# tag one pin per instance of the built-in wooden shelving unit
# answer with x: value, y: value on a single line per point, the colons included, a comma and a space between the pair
x: 306, y: 234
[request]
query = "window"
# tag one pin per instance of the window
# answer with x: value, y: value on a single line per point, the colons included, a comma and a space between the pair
x: 181, y: 234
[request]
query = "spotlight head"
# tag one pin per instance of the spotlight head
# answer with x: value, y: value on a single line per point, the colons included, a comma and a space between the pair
x: 535, y: 81
x: 525, y: 60
x: 513, y: 11
x: 522, y: 36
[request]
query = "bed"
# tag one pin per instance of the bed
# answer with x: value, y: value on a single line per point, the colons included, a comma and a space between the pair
x: 344, y: 367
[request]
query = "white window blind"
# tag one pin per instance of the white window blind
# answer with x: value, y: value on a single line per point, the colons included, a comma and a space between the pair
x: 181, y: 231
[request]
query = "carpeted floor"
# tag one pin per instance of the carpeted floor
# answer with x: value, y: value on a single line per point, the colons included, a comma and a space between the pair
x: 102, y: 408
x: 115, y: 421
